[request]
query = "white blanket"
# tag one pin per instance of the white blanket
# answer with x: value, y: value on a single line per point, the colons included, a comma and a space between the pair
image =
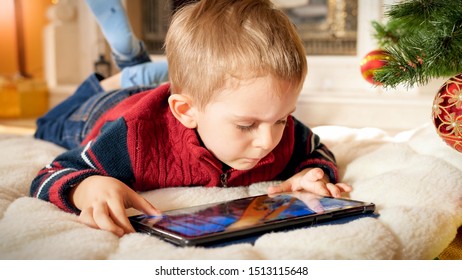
x: 414, y: 178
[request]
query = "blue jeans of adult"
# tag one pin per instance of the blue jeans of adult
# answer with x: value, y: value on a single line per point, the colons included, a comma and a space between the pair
x: 68, y: 123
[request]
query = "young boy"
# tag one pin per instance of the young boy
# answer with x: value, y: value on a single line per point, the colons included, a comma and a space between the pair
x: 236, y: 69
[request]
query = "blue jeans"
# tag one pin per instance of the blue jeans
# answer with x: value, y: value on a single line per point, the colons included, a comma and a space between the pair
x: 68, y: 123
x: 142, y: 57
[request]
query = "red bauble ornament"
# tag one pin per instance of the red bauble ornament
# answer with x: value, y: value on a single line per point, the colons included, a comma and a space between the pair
x: 371, y: 62
x: 447, y: 112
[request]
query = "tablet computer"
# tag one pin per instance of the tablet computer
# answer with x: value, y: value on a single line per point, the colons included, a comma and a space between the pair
x: 224, y: 221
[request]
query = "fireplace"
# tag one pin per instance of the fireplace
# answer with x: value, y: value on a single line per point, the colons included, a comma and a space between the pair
x: 327, y: 27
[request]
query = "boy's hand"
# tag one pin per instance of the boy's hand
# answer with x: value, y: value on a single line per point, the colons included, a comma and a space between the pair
x: 103, y: 200
x: 312, y: 180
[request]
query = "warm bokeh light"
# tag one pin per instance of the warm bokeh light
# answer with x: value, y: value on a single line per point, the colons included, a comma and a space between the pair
x: 34, y: 21
x: 8, y: 45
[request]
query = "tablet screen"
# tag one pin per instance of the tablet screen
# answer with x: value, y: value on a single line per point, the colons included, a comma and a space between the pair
x: 243, y: 213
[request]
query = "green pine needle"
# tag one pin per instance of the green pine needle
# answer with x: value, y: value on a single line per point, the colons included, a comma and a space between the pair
x: 424, y: 39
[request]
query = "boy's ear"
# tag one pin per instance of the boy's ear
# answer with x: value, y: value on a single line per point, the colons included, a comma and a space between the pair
x: 182, y: 109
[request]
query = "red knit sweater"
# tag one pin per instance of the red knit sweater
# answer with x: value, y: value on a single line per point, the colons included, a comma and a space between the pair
x: 141, y: 143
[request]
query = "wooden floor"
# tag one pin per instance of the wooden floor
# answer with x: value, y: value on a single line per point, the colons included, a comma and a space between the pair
x: 17, y: 126
x: 454, y: 250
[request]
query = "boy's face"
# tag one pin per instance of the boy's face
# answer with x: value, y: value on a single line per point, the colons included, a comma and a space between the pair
x: 245, y: 122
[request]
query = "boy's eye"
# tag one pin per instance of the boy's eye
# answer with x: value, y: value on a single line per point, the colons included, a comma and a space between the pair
x: 282, y: 122
x: 250, y: 127
x: 245, y: 127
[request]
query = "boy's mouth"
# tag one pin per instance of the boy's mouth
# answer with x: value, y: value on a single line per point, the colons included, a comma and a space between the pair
x: 252, y: 160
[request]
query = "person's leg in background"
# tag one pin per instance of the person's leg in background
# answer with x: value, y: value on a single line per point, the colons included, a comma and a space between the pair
x: 68, y: 122
x: 128, y: 51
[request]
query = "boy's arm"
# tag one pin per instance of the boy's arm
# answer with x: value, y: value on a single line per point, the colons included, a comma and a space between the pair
x: 106, y: 155
x: 311, y: 168
x: 317, y: 154
x: 309, y: 152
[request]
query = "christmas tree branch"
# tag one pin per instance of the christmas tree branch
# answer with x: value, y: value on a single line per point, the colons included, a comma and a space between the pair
x: 424, y: 40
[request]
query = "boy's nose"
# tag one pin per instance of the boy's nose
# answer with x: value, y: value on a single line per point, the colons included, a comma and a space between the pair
x: 264, y: 139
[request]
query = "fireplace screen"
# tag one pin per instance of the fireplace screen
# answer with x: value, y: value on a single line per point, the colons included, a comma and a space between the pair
x: 327, y: 27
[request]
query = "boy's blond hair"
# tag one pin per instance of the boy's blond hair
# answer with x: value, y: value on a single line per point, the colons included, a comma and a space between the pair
x: 211, y: 41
